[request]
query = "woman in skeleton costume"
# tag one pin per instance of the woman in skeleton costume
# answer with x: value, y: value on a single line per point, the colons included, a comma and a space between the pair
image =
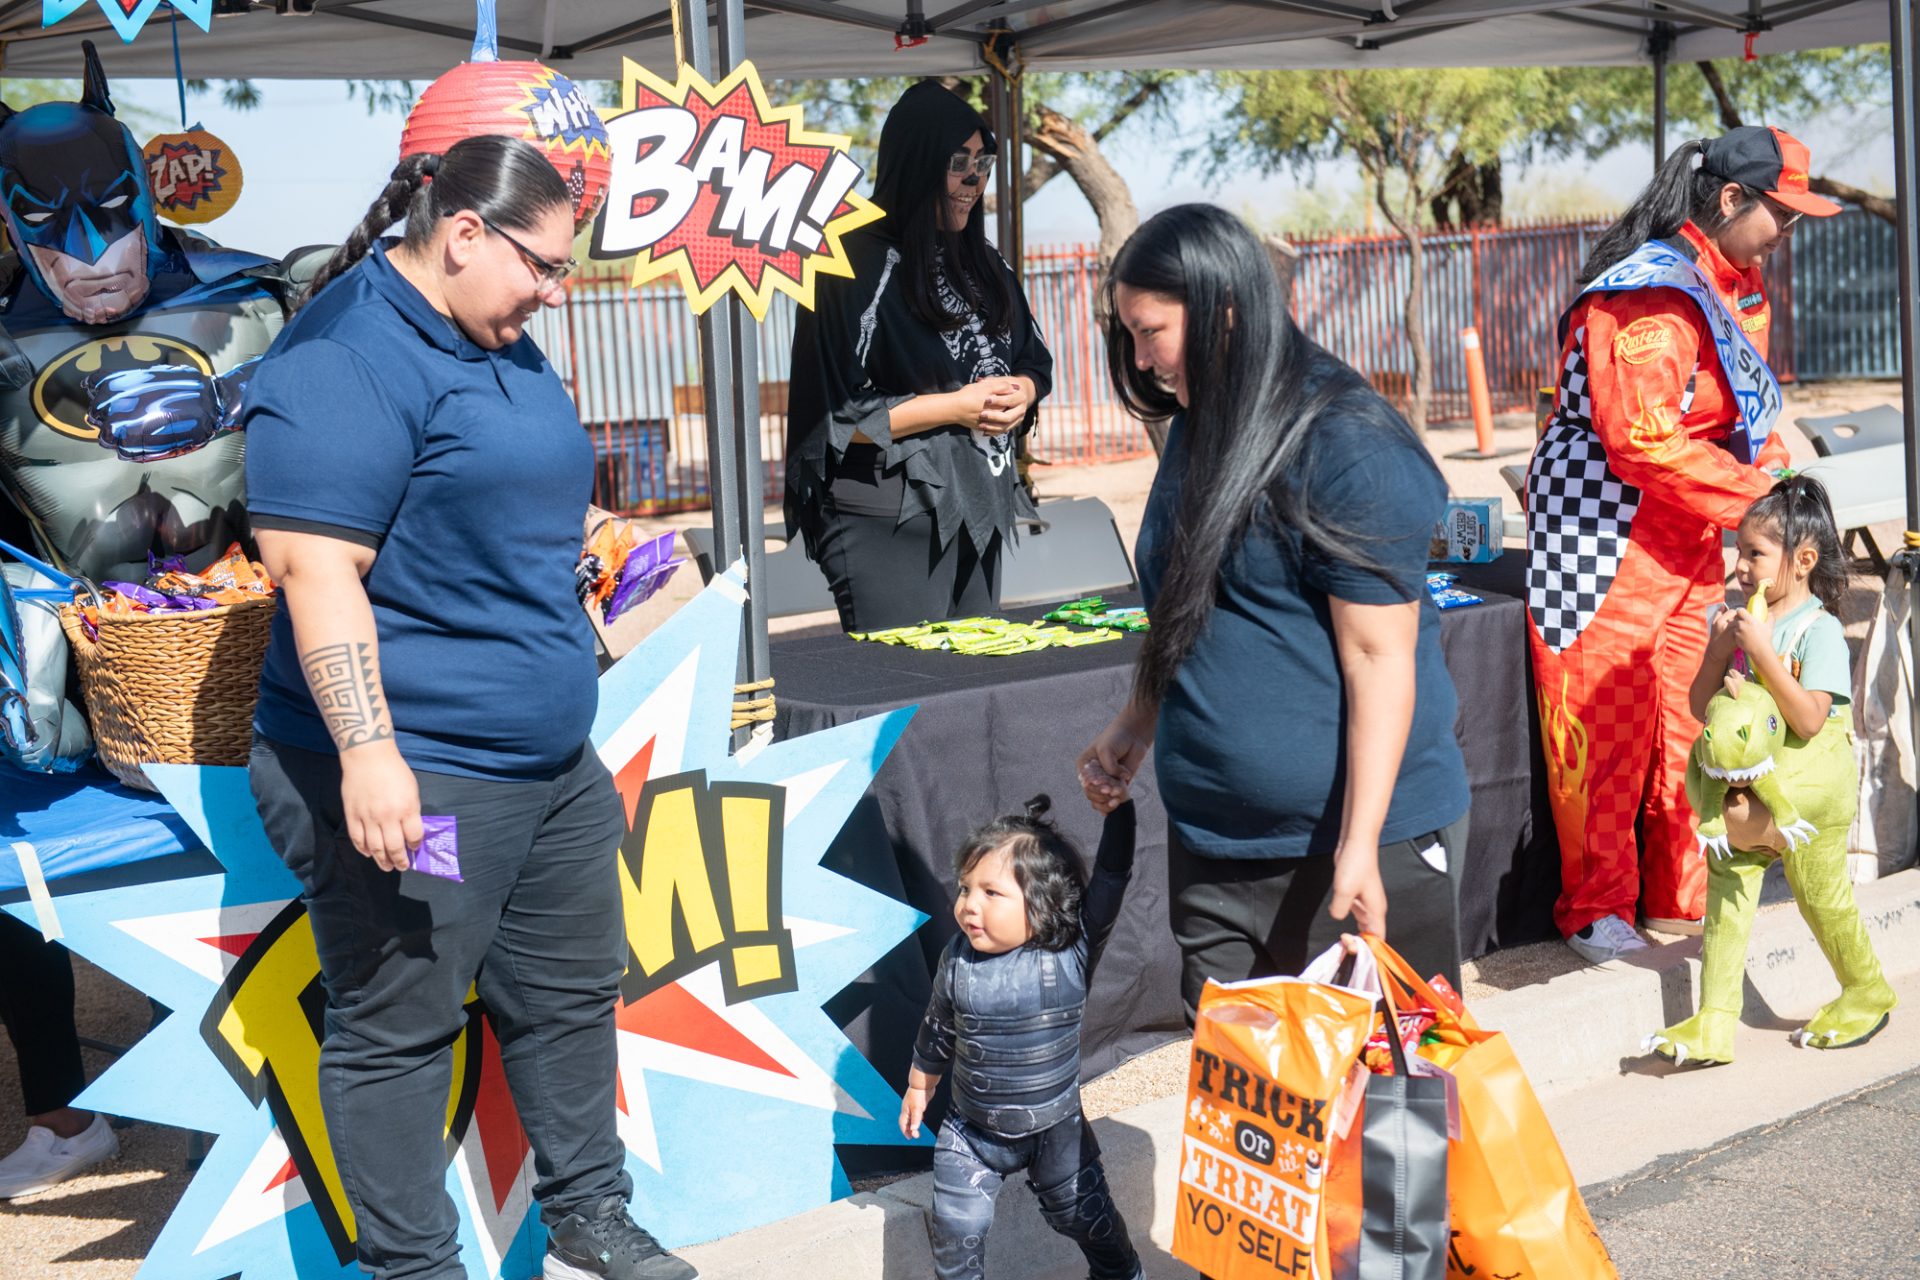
x: 909, y: 384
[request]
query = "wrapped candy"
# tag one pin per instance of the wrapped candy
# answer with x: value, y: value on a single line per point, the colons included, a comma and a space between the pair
x: 616, y: 571
x: 170, y: 588
x: 986, y: 637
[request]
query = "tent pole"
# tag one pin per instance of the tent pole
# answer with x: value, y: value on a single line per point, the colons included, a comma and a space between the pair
x: 747, y: 475
x: 1659, y: 44
x: 720, y: 384
x: 1906, y: 189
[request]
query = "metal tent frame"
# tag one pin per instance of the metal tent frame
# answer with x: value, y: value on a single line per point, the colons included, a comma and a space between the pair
x: 418, y: 39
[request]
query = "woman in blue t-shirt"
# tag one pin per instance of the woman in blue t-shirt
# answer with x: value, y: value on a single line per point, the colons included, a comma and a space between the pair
x: 418, y: 480
x: 1292, y: 685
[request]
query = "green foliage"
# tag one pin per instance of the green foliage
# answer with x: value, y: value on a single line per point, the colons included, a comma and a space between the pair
x: 1601, y: 107
x: 857, y: 108
x: 1416, y: 124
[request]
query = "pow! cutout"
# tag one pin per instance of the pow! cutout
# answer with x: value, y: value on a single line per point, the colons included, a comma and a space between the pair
x: 713, y: 184
x: 194, y: 175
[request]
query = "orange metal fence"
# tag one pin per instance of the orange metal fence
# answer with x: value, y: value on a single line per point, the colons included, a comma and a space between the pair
x: 1510, y: 283
x: 631, y: 356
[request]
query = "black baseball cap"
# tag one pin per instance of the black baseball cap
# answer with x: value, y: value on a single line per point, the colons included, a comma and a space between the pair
x: 1769, y: 160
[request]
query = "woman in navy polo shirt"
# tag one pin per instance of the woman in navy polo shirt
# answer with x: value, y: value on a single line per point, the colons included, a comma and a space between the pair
x: 1292, y: 686
x: 417, y: 479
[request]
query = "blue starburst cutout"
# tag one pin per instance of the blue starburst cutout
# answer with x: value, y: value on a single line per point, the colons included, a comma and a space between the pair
x: 737, y: 937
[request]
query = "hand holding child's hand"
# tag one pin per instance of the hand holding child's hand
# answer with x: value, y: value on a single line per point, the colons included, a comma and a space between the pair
x: 913, y: 1105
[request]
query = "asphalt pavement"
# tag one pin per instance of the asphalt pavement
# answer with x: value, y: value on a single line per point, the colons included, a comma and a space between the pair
x: 1827, y: 1192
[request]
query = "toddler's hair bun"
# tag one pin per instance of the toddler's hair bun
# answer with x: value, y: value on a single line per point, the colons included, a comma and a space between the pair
x: 1038, y: 807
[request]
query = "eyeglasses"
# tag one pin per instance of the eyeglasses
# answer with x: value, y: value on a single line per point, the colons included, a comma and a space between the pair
x: 1782, y: 215
x: 963, y: 161
x: 549, y: 274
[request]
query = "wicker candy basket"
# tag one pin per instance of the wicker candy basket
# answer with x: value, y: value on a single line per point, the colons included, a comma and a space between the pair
x: 173, y: 688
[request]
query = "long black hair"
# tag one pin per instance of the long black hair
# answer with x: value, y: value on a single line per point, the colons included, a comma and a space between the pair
x: 1045, y: 865
x: 1256, y: 387
x: 926, y: 127
x: 1798, y: 514
x: 1679, y: 193
x: 502, y: 179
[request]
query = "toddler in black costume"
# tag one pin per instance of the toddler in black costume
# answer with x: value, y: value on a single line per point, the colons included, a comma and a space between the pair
x: 1005, y: 1015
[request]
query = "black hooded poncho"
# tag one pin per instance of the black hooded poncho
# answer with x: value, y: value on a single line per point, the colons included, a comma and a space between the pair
x: 863, y: 349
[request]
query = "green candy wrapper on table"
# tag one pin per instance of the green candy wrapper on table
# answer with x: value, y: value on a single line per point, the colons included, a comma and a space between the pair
x: 1092, y: 611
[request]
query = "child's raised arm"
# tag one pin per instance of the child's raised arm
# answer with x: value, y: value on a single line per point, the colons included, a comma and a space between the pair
x: 1805, y: 710
x: 1107, y: 887
x: 1713, y: 666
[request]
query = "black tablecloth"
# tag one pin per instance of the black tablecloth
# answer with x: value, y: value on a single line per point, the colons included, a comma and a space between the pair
x: 992, y: 732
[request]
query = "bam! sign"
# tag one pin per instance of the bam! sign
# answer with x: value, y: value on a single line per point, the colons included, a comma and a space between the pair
x: 736, y: 939
x: 714, y: 185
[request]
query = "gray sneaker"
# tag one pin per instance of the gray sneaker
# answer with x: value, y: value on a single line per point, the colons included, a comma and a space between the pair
x: 609, y: 1246
x: 1607, y: 938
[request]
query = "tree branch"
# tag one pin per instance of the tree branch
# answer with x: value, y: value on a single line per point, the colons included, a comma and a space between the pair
x: 1878, y: 206
x: 1729, y: 114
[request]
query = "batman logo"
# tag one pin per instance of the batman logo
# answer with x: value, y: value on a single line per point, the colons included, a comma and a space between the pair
x: 59, y: 396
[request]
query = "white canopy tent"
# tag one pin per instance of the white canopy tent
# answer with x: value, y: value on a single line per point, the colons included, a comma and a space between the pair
x: 419, y: 39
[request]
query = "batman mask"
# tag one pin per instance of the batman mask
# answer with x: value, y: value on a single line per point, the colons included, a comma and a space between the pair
x: 77, y: 203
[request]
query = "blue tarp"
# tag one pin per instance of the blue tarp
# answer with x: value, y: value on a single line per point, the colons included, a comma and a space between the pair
x: 82, y: 822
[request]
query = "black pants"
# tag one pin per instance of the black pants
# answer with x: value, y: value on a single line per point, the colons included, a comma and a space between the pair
x: 36, y: 1003
x: 1263, y: 917
x: 1062, y: 1164
x: 535, y: 924
x: 884, y: 573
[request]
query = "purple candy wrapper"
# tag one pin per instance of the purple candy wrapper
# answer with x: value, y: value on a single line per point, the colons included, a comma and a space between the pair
x: 647, y: 568
x: 439, y: 851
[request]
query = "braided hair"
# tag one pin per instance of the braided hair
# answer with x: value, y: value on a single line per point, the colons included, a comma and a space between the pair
x: 1798, y: 514
x: 1045, y: 865
x: 502, y: 179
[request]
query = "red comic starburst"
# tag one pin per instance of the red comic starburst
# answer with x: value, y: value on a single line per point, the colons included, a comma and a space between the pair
x: 761, y: 201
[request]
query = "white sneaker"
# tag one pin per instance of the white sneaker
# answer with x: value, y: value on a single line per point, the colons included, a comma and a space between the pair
x: 46, y: 1159
x: 1607, y: 938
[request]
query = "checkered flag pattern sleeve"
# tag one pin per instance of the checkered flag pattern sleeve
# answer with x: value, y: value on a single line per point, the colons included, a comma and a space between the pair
x: 1579, y: 514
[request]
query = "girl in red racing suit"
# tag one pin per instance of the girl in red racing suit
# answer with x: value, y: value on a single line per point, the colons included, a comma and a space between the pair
x: 1661, y: 437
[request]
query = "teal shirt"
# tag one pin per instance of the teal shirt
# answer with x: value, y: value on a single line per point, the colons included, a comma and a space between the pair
x: 1817, y: 656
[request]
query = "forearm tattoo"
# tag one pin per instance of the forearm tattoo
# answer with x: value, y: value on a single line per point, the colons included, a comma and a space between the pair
x: 345, y: 684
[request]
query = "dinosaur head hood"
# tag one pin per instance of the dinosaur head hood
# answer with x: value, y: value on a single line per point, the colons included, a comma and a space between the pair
x: 1744, y: 729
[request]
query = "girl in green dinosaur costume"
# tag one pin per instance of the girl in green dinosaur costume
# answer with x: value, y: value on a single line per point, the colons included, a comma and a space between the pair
x: 1772, y: 775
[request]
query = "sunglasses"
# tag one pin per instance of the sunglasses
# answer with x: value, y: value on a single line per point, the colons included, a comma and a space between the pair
x: 965, y: 161
x: 549, y: 274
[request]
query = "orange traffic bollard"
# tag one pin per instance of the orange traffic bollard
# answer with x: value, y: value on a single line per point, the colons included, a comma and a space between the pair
x: 1481, y: 400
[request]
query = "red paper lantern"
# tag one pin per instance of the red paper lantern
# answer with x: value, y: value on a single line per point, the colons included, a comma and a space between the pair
x: 522, y: 100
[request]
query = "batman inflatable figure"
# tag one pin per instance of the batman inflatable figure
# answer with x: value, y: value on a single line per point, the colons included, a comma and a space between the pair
x: 108, y: 318
x: 98, y: 288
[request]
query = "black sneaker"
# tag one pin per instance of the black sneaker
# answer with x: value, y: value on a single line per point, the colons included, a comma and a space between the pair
x: 609, y: 1246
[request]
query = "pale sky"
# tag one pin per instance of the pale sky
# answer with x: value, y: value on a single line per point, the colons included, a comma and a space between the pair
x: 314, y: 160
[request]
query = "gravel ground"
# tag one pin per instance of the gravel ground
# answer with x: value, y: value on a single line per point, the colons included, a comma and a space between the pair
x: 99, y: 1226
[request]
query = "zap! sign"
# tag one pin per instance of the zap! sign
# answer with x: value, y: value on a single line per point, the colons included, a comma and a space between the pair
x: 194, y: 176
x: 715, y: 185
x: 522, y: 100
